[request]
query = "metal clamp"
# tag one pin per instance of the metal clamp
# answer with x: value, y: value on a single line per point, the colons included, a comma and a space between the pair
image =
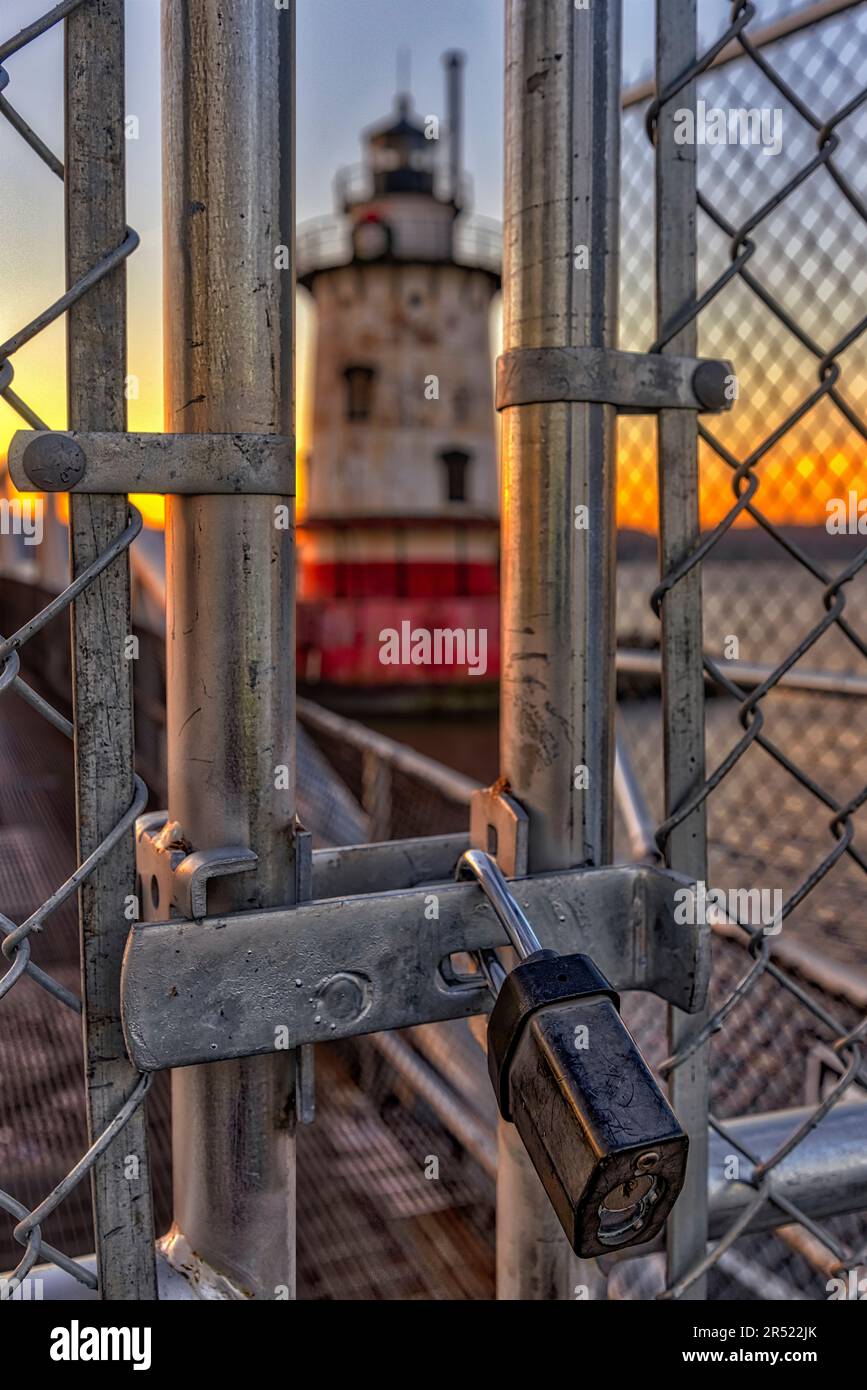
x: 637, y: 383
x: 175, y: 878
x: 190, y: 464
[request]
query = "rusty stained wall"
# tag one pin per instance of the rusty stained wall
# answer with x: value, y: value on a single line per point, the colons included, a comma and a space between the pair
x: 407, y: 323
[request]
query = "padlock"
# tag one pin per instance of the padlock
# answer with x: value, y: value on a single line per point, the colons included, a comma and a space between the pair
x: 567, y: 1073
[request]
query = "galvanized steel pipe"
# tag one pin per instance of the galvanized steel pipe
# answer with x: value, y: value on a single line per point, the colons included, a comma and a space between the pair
x: 561, y: 248
x: 228, y: 99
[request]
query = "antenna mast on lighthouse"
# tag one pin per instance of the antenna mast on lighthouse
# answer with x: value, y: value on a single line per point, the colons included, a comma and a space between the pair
x: 454, y: 65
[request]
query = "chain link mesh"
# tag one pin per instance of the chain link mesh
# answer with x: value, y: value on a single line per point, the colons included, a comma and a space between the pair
x: 781, y: 297
x: 16, y: 946
x: 783, y: 268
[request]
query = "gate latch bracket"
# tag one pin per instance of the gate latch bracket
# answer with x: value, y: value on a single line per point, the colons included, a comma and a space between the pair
x: 366, y: 962
x: 118, y: 463
x: 174, y: 882
x: 637, y: 383
x: 174, y: 878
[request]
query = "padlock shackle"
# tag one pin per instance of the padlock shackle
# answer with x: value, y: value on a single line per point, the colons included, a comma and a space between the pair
x: 493, y: 969
x: 605, y: 1143
x: 496, y: 889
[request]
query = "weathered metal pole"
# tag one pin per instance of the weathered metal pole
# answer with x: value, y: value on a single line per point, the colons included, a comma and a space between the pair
x: 101, y: 670
x: 228, y: 93
x: 561, y: 245
x: 679, y: 530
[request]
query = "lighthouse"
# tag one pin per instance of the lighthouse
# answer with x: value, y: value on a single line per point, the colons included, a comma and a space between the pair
x: 401, y: 530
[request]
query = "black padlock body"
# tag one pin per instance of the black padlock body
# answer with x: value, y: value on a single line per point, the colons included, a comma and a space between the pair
x: 592, y: 1117
x: 543, y: 978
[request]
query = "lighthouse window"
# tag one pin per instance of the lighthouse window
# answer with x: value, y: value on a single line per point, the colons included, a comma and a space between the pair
x: 456, y: 464
x: 359, y: 392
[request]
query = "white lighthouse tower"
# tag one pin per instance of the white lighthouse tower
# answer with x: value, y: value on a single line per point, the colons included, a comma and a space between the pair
x: 401, y: 523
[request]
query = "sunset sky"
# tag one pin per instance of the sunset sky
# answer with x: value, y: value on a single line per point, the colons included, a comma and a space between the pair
x: 346, y: 79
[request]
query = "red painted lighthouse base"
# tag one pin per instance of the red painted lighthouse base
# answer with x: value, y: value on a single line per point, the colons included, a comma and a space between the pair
x: 400, y: 614
x: 401, y: 653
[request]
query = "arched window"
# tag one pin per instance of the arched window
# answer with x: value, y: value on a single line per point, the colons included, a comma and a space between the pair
x: 456, y: 464
x: 359, y: 392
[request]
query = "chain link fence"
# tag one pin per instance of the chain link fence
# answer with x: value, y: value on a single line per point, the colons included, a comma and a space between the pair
x: 92, y: 34
x: 781, y: 295
x: 782, y: 271
x: 782, y: 277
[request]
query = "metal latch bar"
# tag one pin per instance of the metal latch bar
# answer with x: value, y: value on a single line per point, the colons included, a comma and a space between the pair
x: 228, y: 986
x: 637, y: 383
x: 189, y: 464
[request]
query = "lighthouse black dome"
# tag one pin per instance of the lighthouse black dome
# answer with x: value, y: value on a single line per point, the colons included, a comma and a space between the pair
x: 400, y: 154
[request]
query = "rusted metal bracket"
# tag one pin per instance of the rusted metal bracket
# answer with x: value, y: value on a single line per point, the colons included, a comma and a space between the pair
x: 637, y: 383
x: 174, y: 877
x: 229, y: 986
x: 500, y: 827
x: 191, y: 464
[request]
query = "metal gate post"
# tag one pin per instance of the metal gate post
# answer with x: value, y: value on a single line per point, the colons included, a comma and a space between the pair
x: 682, y: 666
x: 229, y: 195
x: 561, y: 248
x: 100, y: 624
